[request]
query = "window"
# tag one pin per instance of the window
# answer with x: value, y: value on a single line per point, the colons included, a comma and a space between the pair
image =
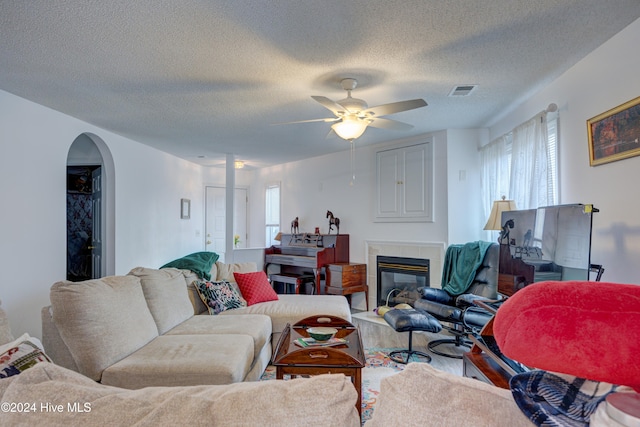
x: 522, y: 165
x: 552, y: 154
x: 272, y: 213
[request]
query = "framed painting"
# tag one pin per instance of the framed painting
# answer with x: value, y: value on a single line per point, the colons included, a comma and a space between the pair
x: 615, y: 134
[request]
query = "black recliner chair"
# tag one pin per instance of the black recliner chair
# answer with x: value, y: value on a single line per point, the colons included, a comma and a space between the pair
x: 458, y: 312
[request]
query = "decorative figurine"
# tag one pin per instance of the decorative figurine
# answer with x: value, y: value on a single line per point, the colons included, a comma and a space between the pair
x: 504, y: 234
x: 294, y: 226
x: 333, y: 221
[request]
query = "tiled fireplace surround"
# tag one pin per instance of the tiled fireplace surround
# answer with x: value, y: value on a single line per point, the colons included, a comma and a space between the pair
x: 433, y: 251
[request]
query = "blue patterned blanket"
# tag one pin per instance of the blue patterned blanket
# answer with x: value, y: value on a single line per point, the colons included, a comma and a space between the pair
x: 557, y: 400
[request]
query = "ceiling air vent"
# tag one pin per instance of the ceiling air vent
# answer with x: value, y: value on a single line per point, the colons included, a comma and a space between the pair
x: 462, y: 90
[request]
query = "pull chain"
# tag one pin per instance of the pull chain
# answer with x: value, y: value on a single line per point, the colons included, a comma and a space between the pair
x: 353, y: 155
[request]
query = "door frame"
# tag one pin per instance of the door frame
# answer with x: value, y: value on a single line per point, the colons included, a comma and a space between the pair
x: 245, y: 188
x: 103, y: 158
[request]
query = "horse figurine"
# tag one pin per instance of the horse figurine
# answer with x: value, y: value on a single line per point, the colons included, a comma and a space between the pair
x: 504, y: 234
x: 294, y: 226
x: 333, y: 221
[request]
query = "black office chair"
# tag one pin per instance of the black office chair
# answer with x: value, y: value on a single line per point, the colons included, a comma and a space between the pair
x: 458, y: 312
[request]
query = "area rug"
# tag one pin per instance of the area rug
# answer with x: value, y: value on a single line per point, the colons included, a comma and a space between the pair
x: 378, y: 366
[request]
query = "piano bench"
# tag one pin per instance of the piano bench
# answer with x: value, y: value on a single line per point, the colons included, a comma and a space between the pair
x: 292, y: 279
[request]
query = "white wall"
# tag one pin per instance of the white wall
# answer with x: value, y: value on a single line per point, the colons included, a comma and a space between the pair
x: 313, y: 186
x: 34, y: 143
x: 466, y: 216
x: 605, y: 79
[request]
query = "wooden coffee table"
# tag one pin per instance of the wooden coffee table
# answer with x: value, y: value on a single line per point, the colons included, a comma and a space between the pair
x: 348, y: 359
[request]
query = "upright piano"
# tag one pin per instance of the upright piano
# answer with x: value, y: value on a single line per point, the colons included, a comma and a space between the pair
x: 307, y: 254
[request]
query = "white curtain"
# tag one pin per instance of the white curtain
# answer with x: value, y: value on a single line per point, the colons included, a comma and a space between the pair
x: 495, y: 172
x: 516, y: 165
x: 529, y: 164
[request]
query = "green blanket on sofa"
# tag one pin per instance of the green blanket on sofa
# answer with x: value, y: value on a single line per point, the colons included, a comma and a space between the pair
x: 460, y: 265
x: 198, y: 262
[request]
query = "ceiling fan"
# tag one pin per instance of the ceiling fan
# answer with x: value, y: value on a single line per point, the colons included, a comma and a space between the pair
x: 353, y: 116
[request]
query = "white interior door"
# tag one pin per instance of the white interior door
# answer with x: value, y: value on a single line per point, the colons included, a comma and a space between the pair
x: 215, y: 219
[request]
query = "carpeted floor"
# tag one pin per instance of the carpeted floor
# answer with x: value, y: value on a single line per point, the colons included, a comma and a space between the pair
x: 378, y: 366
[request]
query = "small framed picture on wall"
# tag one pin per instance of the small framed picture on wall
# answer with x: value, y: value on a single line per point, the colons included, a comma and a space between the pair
x: 185, y: 208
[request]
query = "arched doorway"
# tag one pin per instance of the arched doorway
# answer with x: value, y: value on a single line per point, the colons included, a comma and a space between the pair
x: 90, y: 209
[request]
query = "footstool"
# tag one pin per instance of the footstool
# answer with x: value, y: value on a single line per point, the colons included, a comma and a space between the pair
x: 403, y: 320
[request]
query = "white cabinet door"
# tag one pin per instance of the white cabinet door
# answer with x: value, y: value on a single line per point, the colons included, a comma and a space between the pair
x: 388, y: 176
x: 404, y: 183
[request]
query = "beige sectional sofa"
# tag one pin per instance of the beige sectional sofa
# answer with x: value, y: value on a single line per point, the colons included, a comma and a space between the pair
x: 147, y: 328
x: 43, y: 393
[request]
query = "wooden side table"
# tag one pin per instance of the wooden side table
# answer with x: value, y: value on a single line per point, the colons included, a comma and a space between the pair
x: 347, y: 278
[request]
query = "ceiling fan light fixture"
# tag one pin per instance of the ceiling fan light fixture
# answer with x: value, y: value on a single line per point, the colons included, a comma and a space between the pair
x: 349, y: 128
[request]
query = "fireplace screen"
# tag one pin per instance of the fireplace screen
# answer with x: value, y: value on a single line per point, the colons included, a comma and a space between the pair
x: 400, y: 278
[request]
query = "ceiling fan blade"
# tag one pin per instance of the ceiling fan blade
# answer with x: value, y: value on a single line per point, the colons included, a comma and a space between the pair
x: 331, y: 134
x: 332, y: 106
x: 389, y: 124
x: 395, y: 107
x: 327, y: 120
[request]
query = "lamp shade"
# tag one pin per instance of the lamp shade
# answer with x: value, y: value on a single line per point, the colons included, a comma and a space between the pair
x: 350, y: 128
x: 495, y: 218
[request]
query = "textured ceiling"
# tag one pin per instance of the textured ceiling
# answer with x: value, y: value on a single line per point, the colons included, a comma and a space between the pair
x: 204, y: 78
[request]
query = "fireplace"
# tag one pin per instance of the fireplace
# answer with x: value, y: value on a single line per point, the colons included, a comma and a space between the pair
x: 401, y: 277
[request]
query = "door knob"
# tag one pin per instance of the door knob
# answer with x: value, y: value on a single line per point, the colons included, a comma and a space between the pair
x: 91, y: 247
x: 208, y: 242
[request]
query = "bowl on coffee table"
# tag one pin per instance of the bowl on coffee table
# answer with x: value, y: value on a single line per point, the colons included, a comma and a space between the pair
x: 321, y: 333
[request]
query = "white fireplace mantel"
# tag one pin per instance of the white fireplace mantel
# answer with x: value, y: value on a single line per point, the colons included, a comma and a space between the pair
x: 433, y: 251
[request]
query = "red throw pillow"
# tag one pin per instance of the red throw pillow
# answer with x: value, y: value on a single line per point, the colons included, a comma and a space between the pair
x: 585, y: 329
x: 255, y: 287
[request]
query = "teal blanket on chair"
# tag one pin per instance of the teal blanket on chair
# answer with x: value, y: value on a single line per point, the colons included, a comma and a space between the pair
x: 198, y: 262
x: 460, y: 265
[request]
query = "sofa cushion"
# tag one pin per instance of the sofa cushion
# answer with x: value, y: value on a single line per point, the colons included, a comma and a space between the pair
x: 21, y: 354
x: 219, y: 296
x: 166, y: 295
x: 442, y: 399
x: 260, y: 403
x: 190, y: 278
x: 5, y: 330
x: 179, y: 360
x: 225, y: 271
x: 292, y: 308
x: 102, y: 320
x: 57, y: 350
x: 257, y: 326
x: 255, y: 287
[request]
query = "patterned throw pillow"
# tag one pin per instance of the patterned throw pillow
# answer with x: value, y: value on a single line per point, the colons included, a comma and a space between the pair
x: 219, y: 296
x: 19, y: 355
x: 255, y: 287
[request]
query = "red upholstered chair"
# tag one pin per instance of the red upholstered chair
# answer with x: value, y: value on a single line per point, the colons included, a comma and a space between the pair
x: 586, y: 329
